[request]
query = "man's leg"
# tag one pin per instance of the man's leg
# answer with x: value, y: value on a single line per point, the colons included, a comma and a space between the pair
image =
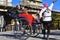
x: 48, y: 29
x: 34, y: 27
x: 43, y: 30
x: 48, y: 32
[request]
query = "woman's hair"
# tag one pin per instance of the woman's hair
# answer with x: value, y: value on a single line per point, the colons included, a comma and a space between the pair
x: 25, y: 10
x: 45, y: 4
x: 19, y: 6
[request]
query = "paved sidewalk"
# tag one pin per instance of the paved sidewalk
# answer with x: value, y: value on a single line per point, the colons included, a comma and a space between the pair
x: 9, y: 35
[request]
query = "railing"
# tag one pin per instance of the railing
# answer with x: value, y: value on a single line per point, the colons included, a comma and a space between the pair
x: 56, y: 24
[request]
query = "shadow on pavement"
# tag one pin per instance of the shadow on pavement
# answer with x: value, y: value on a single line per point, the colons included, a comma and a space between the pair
x: 22, y: 36
x: 44, y: 38
x: 55, y: 33
x: 19, y: 36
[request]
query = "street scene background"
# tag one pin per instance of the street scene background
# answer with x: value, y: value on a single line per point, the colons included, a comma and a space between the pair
x: 13, y: 27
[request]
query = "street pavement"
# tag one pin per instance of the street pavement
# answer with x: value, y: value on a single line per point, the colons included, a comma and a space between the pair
x: 10, y: 35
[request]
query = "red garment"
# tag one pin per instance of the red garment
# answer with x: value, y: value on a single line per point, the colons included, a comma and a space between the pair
x: 27, y: 16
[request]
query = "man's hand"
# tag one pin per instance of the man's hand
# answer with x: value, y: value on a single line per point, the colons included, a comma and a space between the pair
x: 54, y: 1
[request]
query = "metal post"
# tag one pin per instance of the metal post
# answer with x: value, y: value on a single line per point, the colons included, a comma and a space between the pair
x: 18, y: 27
x: 1, y: 29
x: 31, y: 30
x: 36, y: 28
x: 58, y: 25
x: 12, y: 27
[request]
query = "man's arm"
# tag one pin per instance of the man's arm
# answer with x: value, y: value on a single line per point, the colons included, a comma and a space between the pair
x: 51, y: 6
x: 42, y: 10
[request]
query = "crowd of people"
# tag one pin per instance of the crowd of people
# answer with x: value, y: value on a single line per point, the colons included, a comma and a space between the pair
x: 44, y: 18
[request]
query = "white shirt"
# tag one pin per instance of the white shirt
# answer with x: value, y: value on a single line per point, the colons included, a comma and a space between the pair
x: 47, y: 13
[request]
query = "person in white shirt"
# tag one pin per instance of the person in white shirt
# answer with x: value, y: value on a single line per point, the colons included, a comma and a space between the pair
x: 1, y: 22
x: 45, y: 15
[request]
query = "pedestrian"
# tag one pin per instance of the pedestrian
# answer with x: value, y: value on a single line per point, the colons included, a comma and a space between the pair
x: 14, y: 14
x: 35, y: 23
x: 18, y: 9
x: 45, y: 16
x: 12, y: 24
x: 1, y: 22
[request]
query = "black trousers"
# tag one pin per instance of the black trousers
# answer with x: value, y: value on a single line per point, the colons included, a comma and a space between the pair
x: 46, y: 25
x: 34, y: 28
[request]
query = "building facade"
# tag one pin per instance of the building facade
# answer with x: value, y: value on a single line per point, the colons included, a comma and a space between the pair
x: 32, y: 3
x: 34, y: 6
x: 6, y: 2
x: 37, y: 4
